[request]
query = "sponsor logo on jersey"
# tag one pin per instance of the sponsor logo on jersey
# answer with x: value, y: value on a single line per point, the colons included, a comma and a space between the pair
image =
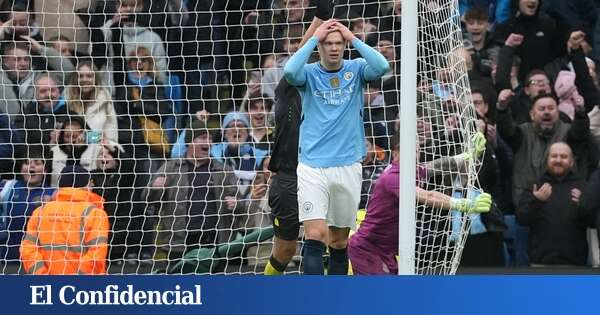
x: 338, y: 96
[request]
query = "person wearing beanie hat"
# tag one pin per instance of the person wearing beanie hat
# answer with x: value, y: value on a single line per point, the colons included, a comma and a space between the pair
x: 236, y: 151
x: 235, y: 116
x: 68, y: 235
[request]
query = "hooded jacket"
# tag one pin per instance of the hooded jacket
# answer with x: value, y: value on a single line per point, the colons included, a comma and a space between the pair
x: 67, y: 236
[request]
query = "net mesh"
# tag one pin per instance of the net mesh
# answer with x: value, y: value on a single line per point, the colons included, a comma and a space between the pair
x: 114, y: 87
x: 446, y: 125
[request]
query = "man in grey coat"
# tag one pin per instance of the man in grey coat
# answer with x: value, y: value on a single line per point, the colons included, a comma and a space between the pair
x: 196, y: 198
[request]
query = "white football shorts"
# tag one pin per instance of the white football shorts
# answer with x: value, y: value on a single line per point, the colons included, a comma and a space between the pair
x: 331, y: 193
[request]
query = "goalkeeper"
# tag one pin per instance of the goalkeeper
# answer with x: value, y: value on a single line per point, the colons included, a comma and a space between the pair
x: 374, y: 247
x: 283, y: 198
x: 331, y: 142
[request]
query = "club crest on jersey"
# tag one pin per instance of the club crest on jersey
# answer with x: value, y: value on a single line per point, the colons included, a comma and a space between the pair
x: 348, y: 75
x: 335, y: 82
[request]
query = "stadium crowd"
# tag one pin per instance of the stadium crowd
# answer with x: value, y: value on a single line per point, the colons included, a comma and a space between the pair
x: 168, y: 104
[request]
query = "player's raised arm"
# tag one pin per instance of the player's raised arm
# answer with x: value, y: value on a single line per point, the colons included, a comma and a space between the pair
x: 294, y: 71
x: 376, y: 66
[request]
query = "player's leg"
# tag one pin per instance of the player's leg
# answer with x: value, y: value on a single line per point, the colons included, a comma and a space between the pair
x: 338, y: 251
x: 313, y: 196
x: 283, y: 200
x: 345, y: 186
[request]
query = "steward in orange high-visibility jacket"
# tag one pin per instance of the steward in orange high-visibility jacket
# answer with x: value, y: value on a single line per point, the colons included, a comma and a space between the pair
x: 68, y: 235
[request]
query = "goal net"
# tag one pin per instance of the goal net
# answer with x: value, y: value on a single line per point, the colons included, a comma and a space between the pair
x: 141, y: 93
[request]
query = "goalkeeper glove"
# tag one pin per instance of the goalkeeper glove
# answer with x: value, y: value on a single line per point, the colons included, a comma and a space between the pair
x: 325, y: 9
x: 478, y: 140
x: 481, y: 203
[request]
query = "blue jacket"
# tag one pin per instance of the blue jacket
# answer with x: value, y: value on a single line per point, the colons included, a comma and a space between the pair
x: 17, y: 207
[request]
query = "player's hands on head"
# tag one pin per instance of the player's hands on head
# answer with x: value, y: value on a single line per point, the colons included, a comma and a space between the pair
x: 324, y: 29
x: 346, y: 33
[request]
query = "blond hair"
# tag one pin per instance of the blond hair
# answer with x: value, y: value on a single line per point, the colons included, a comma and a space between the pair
x: 74, y: 98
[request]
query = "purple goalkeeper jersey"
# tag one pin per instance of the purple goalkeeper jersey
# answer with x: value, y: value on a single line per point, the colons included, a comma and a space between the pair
x: 380, y: 226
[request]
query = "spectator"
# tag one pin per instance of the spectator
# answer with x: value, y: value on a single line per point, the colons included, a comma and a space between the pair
x: 573, y: 14
x: 142, y: 110
x: 17, y: 79
x: 261, y: 132
x: 20, y: 23
x: 115, y: 185
x: 10, y: 148
x: 542, y: 40
x: 373, y: 165
x: 291, y: 44
x: 530, y: 141
x: 63, y: 45
x: 40, y: 117
x: 497, y: 10
x: 553, y: 209
x: 483, y: 47
x: 375, y: 115
x: 362, y: 28
x: 19, y: 197
x: 76, y: 144
x: 390, y: 82
x: 67, y: 19
x: 236, y: 151
x: 568, y: 96
x: 204, y: 50
x: 500, y: 154
x: 196, y: 198
x: 68, y: 235
x: 49, y: 59
x: 86, y: 97
x: 536, y: 83
x: 127, y: 38
x: 392, y: 20
x: 484, y: 246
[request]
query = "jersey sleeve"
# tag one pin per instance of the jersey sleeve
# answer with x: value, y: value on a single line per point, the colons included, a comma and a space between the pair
x: 295, y: 69
x: 375, y: 63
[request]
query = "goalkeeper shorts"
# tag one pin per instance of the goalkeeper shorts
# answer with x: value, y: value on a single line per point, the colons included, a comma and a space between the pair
x: 367, y: 259
x: 331, y: 193
x: 283, y: 200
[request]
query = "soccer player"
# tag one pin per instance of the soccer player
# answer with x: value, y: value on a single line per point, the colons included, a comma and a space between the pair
x: 283, y: 198
x: 331, y: 143
x: 374, y: 247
